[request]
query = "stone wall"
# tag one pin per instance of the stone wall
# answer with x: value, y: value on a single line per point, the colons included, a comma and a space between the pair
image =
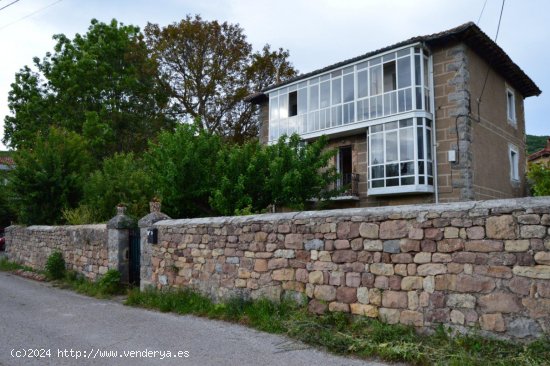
x: 84, y: 247
x: 479, y: 264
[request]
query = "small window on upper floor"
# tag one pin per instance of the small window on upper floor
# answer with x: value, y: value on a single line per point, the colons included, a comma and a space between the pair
x: 511, y: 106
x: 292, y: 104
x: 514, y: 162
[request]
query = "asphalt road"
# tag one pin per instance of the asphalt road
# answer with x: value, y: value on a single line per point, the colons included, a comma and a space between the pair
x: 59, y: 327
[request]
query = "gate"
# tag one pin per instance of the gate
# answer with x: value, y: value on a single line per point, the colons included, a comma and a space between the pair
x: 134, y: 257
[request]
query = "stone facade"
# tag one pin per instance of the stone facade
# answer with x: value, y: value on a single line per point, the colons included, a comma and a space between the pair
x: 84, y: 247
x: 466, y: 265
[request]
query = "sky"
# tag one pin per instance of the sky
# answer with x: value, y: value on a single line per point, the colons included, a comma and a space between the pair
x: 317, y: 33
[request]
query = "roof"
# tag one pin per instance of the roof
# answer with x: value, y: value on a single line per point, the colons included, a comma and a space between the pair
x: 469, y: 33
x: 541, y: 153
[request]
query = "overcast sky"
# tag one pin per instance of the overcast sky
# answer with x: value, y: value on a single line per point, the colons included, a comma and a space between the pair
x: 316, y: 32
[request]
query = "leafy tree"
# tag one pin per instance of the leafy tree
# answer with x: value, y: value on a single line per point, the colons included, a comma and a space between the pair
x: 122, y: 179
x: 101, y: 84
x: 182, y: 167
x: 289, y: 173
x: 49, y: 176
x: 539, y: 175
x: 535, y: 143
x: 209, y: 68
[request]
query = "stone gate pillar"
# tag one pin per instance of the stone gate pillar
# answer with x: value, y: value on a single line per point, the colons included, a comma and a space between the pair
x: 147, y: 222
x: 118, y: 231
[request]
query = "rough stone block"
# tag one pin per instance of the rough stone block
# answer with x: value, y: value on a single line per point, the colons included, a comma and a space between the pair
x: 363, y: 309
x: 394, y: 229
x: 541, y: 271
x: 475, y: 232
x: 394, y: 299
x: 450, y: 232
x: 389, y: 316
x: 409, y: 245
x: 501, y: 227
x: 533, y: 231
x: 410, y: 317
x: 416, y: 233
x: 450, y: 245
x: 457, y: 317
x: 294, y: 241
x: 529, y: 219
x: 353, y: 279
x: 316, y: 277
x: 346, y: 295
x: 483, y: 246
x: 538, y: 308
x: 314, y: 244
x: 431, y: 269
x: 317, y: 307
x: 412, y: 283
x: 284, y: 253
x: 542, y: 258
x: 363, y: 295
x: 492, y: 322
x: 461, y: 301
x: 338, y: 307
x: 392, y: 246
x: 499, y: 302
x: 325, y: 292
x: 285, y: 274
x: 341, y: 244
x: 468, y: 283
x: 423, y: 257
x: 372, y: 245
x: 382, y: 269
x: 401, y: 258
x: 368, y: 230
x: 516, y: 245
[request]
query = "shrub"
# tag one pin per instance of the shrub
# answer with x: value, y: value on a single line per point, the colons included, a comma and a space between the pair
x: 55, y: 266
x: 109, y: 284
x: 81, y: 215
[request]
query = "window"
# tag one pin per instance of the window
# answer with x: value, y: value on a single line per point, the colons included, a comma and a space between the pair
x: 390, y: 84
x: 400, y: 157
x: 511, y: 105
x: 292, y: 104
x: 514, y: 162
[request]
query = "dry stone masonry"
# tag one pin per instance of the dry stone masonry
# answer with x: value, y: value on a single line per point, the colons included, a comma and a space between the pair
x: 467, y: 265
x: 84, y: 247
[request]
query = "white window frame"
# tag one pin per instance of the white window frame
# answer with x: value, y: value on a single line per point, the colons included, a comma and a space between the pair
x: 511, y: 106
x: 513, y: 155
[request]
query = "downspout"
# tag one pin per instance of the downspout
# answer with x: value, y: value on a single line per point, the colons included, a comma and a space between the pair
x: 434, y: 130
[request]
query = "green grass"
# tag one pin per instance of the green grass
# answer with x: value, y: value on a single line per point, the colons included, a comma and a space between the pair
x: 348, y: 335
x: 103, y: 289
x: 8, y: 266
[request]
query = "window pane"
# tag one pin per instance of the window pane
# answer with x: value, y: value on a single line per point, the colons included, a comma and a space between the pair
x: 406, y: 123
x: 274, y: 108
x: 336, y: 91
x: 429, y: 144
x: 292, y: 103
x: 377, y: 183
x: 418, y: 98
x: 274, y: 130
x: 392, y: 170
x: 302, y: 101
x: 377, y: 172
x: 349, y: 113
x: 420, y: 142
x: 421, y: 167
x: 348, y: 88
x: 392, y: 182
x: 362, y: 84
x: 426, y: 84
x: 389, y: 76
x: 404, y: 52
x: 325, y: 94
x: 283, y: 106
x: 314, y: 97
x: 376, y: 128
x: 404, y: 72
x: 407, y: 181
x: 337, y: 115
x: 376, y: 80
x: 417, y: 70
x: 363, y: 110
x: 377, y: 148
x: 406, y: 142
x: 391, y: 146
x: 407, y: 168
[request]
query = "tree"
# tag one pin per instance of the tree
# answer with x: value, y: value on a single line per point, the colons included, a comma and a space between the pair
x: 122, y: 179
x: 539, y: 175
x: 209, y: 68
x: 101, y: 85
x: 252, y: 176
x: 49, y: 177
x: 182, y: 168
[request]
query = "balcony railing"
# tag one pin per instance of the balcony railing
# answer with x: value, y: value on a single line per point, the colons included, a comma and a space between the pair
x: 348, y: 185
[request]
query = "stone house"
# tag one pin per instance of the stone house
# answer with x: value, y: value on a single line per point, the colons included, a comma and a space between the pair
x: 542, y: 156
x: 436, y: 118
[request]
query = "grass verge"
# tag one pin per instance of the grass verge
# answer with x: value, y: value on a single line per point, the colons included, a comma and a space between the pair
x: 8, y: 266
x: 343, y: 334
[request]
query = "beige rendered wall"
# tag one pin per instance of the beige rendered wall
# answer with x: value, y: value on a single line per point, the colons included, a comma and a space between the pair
x: 493, y: 134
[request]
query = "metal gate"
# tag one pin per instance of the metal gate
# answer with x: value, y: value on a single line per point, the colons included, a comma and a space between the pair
x: 134, y: 257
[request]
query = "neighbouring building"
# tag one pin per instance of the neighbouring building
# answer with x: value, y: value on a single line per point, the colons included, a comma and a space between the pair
x: 6, y: 164
x: 435, y: 118
x: 542, y: 156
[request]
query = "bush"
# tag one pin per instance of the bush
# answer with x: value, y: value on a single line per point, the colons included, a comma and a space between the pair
x: 539, y: 176
x: 81, y: 215
x: 109, y: 284
x: 55, y: 266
